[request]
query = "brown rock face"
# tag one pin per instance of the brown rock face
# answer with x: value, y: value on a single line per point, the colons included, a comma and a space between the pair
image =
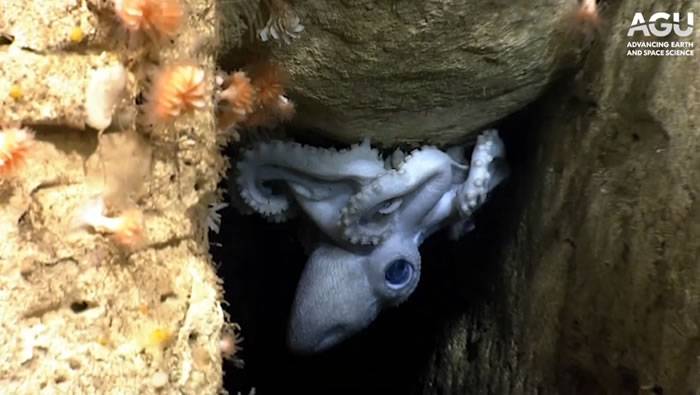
x: 416, y: 71
x: 598, y: 289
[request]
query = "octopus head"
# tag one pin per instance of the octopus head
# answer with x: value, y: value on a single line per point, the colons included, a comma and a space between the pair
x: 342, y: 291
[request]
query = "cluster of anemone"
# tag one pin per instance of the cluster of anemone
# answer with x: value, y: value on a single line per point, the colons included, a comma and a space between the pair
x: 125, y: 229
x: 250, y: 98
x: 254, y: 98
x: 176, y: 89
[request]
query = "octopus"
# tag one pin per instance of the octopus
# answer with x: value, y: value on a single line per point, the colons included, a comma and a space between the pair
x: 371, y: 215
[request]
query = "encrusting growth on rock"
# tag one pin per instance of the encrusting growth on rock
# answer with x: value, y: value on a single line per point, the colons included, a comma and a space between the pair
x: 127, y: 229
x: 104, y: 91
x: 284, y: 24
x: 16, y: 92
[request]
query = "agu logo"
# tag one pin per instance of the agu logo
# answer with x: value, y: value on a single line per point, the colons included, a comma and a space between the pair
x: 661, y: 24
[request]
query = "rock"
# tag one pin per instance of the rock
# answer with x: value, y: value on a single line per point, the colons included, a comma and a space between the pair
x: 42, y: 26
x: 597, y: 283
x: 412, y: 71
x: 52, y: 89
x: 77, y: 310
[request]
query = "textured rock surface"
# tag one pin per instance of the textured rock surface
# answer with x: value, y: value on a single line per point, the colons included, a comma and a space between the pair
x: 413, y: 70
x: 598, y: 288
x: 52, y: 88
x: 47, y: 25
x: 78, y: 314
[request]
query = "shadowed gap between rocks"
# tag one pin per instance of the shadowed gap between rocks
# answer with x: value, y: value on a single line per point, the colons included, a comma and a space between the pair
x: 261, y: 262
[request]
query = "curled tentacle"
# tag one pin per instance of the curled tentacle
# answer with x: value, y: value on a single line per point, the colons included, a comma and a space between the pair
x: 413, y: 190
x: 270, y: 173
x: 487, y: 170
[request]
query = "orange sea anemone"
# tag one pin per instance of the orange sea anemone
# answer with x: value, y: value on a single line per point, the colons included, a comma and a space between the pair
x: 267, y: 117
x: 237, y: 100
x: 176, y: 90
x: 255, y: 98
x: 269, y: 80
x: 155, y: 17
x: 15, y: 144
x: 239, y: 94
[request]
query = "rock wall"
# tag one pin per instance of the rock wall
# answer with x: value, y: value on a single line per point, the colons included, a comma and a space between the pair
x: 597, y: 286
x: 408, y: 71
x: 79, y: 313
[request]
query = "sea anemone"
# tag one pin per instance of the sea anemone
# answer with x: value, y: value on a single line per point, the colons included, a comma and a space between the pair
x: 281, y: 111
x: 160, y: 18
x: 269, y: 80
x: 239, y: 93
x: 237, y: 100
x: 177, y: 89
x: 230, y: 344
x: 214, y: 217
x: 15, y: 144
x: 255, y: 98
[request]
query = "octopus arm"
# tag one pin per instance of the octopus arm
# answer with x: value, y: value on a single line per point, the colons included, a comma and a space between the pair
x: 488, y: 169
x: 270, y: 174
x: 413, y: 190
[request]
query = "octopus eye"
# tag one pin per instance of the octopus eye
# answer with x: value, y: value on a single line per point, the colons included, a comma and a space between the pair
x: 389, y: 207
x: 398, y: 273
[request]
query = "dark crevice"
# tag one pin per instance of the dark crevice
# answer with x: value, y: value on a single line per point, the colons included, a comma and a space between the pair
x: 6, y: 39
x: 261, y: 262
x: 80, y: 306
